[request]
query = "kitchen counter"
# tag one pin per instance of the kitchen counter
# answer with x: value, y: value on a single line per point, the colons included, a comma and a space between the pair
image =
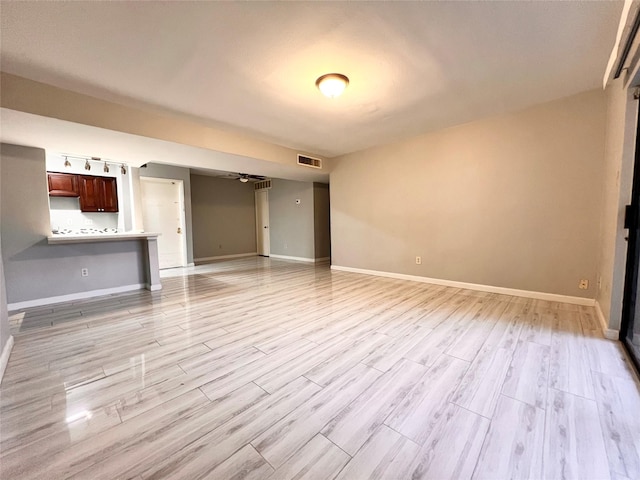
x: 64, y: 238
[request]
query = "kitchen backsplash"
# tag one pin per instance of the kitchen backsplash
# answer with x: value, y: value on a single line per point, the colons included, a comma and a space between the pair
x: 66, y: 216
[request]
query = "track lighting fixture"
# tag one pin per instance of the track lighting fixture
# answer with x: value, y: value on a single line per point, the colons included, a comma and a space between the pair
x: 106, y: 168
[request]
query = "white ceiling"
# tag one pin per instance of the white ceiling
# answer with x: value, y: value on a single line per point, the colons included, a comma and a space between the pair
x: 251, y: 67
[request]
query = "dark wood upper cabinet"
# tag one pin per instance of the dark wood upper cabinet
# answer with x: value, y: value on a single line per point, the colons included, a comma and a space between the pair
x: 110, y: 193
x: 90, y: 193
x: 98, y: 194
x: 63, y: 185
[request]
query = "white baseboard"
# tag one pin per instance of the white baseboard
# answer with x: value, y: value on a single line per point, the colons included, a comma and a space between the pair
x: 295, y: 259
x: 606, y: 331
x: 4, y: 358
x: 74, y: 296
x: 153, y: 288
x: 552, y: 297
x: 198, y: 261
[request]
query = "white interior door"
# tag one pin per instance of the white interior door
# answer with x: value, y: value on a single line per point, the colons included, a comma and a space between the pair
x: 163, y: 212
x: 262, y: 222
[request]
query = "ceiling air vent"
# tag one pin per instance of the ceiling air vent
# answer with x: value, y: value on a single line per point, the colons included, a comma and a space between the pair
x: 262, y: 185
x: 309, y: 161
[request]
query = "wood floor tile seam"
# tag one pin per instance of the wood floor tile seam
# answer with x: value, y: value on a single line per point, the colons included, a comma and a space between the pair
x: 477, y: 463
x: 523, y: 403
x: 261, y: 456
x: 573, y: 394
x: 253, y: 382
x: 80, y: 384
x: 635, y: 374
x: 567, y: 433
x: 358, y: 399
x: 458, y: 358
x: 25, y: 338
x: 470, y: 411
x: 336, y: 445
x: 396, y: 431
x: 71, y: 338
x: 545, y: 434
x: 519, y: 445
x: 307, y: 378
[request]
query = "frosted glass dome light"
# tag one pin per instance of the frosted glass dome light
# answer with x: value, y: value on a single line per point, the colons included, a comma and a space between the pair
x: 332, y: 84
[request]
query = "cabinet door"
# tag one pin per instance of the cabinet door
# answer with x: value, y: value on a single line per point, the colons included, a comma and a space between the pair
x: 63, y: 185
x: 90, y: 193
x: 109, y: 195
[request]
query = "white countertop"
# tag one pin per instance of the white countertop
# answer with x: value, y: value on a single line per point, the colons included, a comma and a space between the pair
x: 57, y: 238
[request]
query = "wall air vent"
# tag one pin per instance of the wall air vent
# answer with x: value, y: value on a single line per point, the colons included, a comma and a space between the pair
x: 262, y: 185
x: 309, y: 161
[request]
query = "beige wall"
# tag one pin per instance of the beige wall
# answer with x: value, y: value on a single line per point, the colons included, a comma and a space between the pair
x: 291, y: 225
x: 511, y: 201
x: 5, y: 331
x: 224, y: 217
x: 616, y: 193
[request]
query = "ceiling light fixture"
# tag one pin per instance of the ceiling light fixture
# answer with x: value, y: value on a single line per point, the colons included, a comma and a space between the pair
x: 244, y: 178
x: 87, y: 166
x: 332, y: 84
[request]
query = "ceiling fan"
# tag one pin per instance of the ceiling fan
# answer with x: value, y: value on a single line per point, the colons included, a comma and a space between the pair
x: 245, y: 177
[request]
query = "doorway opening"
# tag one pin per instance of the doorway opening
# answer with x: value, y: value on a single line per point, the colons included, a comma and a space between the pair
x: 263, y: 241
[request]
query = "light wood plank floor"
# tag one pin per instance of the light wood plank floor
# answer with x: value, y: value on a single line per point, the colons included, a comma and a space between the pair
x: 265, y: 369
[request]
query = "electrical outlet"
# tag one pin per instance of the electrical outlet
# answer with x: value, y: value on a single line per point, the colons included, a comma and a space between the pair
x: 84, y: 272
x: 88, y: 221
x: 418, y: 260
x: 584, y: 284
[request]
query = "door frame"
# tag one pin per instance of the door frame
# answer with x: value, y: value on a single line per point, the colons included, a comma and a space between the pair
x: 632, y: 223
x: 183, y: 222
x: 259, y: 226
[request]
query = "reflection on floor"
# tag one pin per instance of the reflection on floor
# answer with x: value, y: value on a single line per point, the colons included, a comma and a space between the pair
x: 257, y: 368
